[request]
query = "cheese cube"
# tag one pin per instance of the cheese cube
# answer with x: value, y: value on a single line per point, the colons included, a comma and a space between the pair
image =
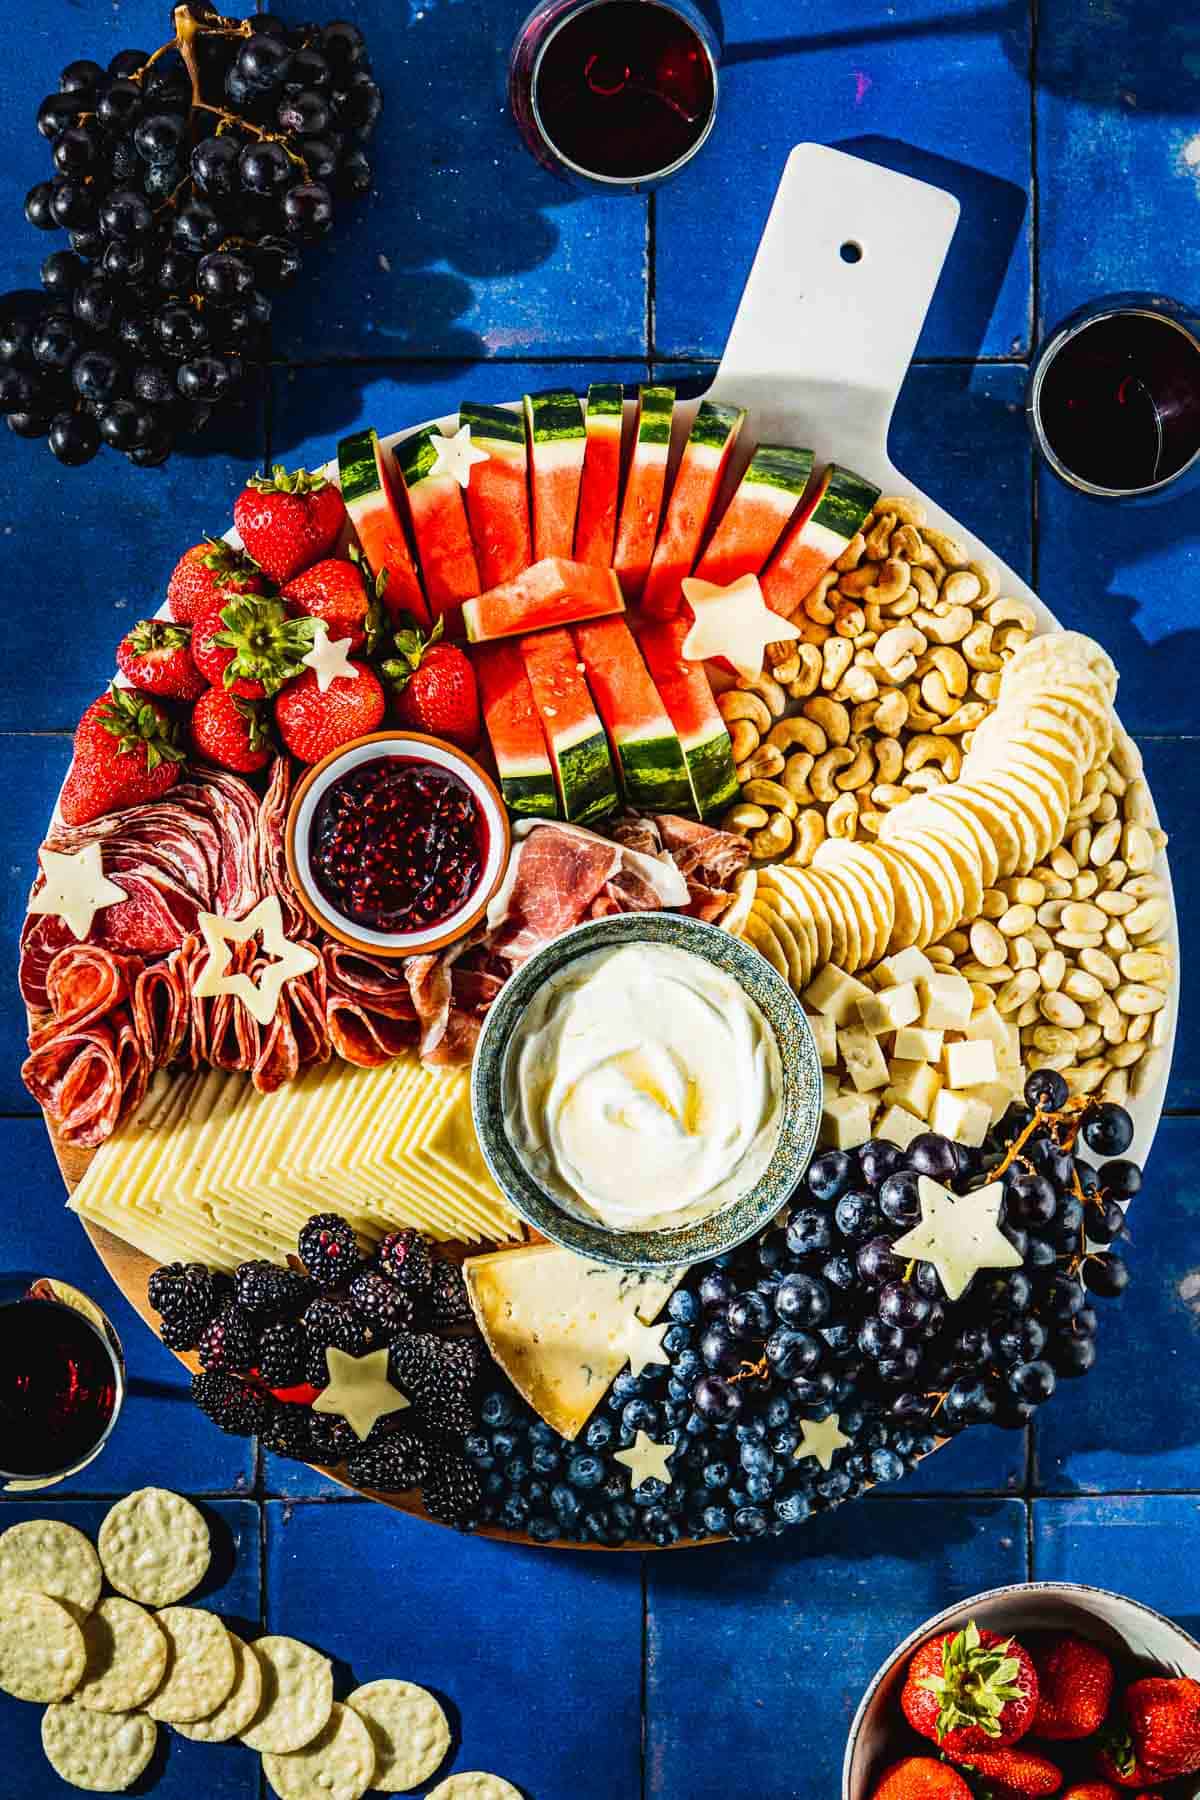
x: 916, y: 1043
x: 890, y: 1009
x: 945, y: 1001
x: 965, y: 1120
x: 1002, y: 1033
x: 825, y: 1035
x: 836, y: 994
x: 907, y: 965
x: 899, y: 1126
x: 914, y: 1085
x: 968, y: 1062
x: 845, y: 1122
x: 996, y: 1095
x: 865, y: 1062
x: 830, y: 1085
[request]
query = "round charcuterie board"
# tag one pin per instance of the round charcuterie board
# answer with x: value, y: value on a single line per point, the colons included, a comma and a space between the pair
x: 827, y: 326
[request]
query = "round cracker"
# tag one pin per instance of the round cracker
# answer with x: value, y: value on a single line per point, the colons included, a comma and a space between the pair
x: 200, y: 1665
x: 794, y: 904
x: 127, y: 1654
x: 297, y: 1696
x: 759, y: 933
x: 337, y: 1765
x: 776, y: 913
x: 845, y: 949
x: 1020, y: 813
x: 103, y: 1753
x: 914, y: 918
x: 811, y: 906
x: 240, y: 1704
x: 942, y: 896
x: 42, y: 1654
x: 155, y: 1546
x: 860, y: 870
x: 996, y: 821
x: 474, y: 1784
x: 957, y: 843
x: 408, y: 1728
x: 54, y: 1559
x: 946, y: 806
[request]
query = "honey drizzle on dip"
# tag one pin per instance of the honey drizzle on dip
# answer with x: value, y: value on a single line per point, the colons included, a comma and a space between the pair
x: 642, y: 1088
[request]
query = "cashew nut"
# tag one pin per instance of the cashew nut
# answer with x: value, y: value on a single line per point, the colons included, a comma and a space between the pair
x: 857, y: 684
x: 860, y: 771
x: 784, y: 660
x: 766, y: 762
x: 1006, y: 611
x: 810, y: 672
x: 736, y: 703
x: 800, y: 729
x: 842, y: 817
x: 769, y: 689
x: 947, y: 548
x: 952, y: 668
x: 796, y: 772
x: 961, y: 588
x: 889, y: 758
x: 831, y: 716
x: 774, y: 838
x: 889, y: 794
x: 837, y: 654
x: 905, y: 542
x: 863, y: 717
x: 897, y: 652
x: 926, y: 748
x: 852, y: 555
x: 810, y: 834
x: 849, y: 620
x: 815, y: 604
x: 908, y: 511
x: 744, y: 818
x: 882, y: 527
x: 919, y: 715
x: 977, y: 647
x: 936, y: 695
x: 743, y: 736
x: 921, y: 780
x: 855, y: 584
x: 892, y: 582
x: 892, y: 714
x: 1011, y: 637
x: 824, y: 770
x: 949, y: 626
x: 925, y: 585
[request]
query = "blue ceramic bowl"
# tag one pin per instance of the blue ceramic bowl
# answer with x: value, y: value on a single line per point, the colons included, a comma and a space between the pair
x: 800, y: 1100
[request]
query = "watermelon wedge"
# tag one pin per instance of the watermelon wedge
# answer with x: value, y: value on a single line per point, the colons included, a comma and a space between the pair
x: 556, y: 447
x: 816, y: 537
x: 641, y: 505
x: 515, y: 731
x: 550, y: 592
x: 754, y: 521
x: 440, y: 527
x: 596, y: 525
x: 689, y: 701
x: 498, y: 497
x: 587, y: 785
x: 644, y: 741
x: 698, y: 481
x: 371, y: 501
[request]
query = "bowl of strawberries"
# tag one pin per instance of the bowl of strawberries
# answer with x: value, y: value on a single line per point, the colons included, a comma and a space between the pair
x: 1043, y: 1688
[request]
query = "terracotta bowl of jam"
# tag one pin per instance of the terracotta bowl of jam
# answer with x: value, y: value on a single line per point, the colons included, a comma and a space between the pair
x: 396, y: 842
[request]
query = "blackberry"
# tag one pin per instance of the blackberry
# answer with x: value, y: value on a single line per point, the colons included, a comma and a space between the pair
x: 394, y: 1462
x: 282, y: 1353
x: 406, y: 1258
x: 436, y: 1379
x: 230, y: 1341
x: 329, y: 1250
x: 269, y: 1288
x: 286, y: 1431
x: 329, y: 1321
x: 185, y: 1296
x: 331, y: 1440
x: 316, y: 1368
x: 229, y: 1402
x: 452, y: 1491
x: 444, y: 1301
x: 381, y: 1303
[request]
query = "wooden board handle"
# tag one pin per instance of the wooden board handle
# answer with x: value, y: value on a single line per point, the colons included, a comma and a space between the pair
x: 835, y: 301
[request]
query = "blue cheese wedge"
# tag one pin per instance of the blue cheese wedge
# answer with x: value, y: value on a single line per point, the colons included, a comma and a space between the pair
x: 558, y: 1325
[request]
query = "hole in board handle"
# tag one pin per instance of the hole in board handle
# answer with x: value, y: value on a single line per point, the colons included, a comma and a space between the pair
x: 851, y: 252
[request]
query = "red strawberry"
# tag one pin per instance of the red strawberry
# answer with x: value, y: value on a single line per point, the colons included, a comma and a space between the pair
x: 157, y: 658
x: 1014, y: 1773
x: 250, y: 645
x: 334, y: 590
x: 1164, y: 1723
x: 1092, y: 1790
x: 970, y: 1690
x: 312, y: 723
x: 435, y: 688
x: 921, y: 1778
x: 210, y: 571
x: 1075, y: 1684
x: 1116, y: 1759
x: 230, y: 731
x: 125, y: 752
x: 287, y: 521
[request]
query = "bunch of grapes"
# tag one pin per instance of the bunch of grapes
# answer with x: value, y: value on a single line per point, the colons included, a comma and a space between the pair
x: 189, y: 179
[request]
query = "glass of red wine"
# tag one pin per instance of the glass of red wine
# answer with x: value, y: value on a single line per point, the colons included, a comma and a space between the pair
x: 614, y: 94
x: 1113, y: 401
x: 62, y: 1381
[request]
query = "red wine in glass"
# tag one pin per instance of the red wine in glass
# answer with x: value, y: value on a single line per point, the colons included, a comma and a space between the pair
x: 614, y: 93
x: 1114, y: 398
x: 62, y: 1380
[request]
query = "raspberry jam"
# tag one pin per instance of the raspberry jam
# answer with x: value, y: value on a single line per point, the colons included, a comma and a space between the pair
x: 398, y: 844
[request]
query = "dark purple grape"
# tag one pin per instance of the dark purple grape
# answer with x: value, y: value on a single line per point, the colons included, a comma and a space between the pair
x: 1009, y: 1295
x: 128, y: 62
x: 80, y: 77
x: 136, y: 334
x: 358, y: 106
x: 76, y: 150
x: 176, y: 272
x: 18, y: 390
x: 1032, y: 1382
x: 87, y: 244
x: 263, y: 62
x: 302, y: 114
x: 813, y: 1390
x: 197, y: 228
x: 181, y: 331
x: 354, y: 175
x: 124, y: 424
x: 877, y: 1159
x: 717, y: 1288
x: 802, y: 1300
x: 719, y: 1348
x: 72, y: 203
x: 276, y: 260
x: 120, y: 104
x: 1051, y: 1160
x: 94, y: 303
x: 716, y: 1399
x: 153, y: 385
x: 1029, y: 1199
x: 791, y: 1352
x: 898, y: 1198
x: 1121, y: 1180
x: 934, y: 1156
x: 55, y: 343
x: 96, y: 375
x: 900, y: 1367
x: 160, y: 136
x: 1105, y: 1222
x: 829, y: 1175
x: 58, y: 112
x: 124, y: 214
x: 1106, y: 1275
x: 222, y: 276
x: 320, y: 159
x: 1073, y: 1356
x: 1021, y: 1340
x: 62, y: 272
x: 749, y: 1315
x: 74, y: 438
x: 214, y: 166
x: 265, y: 168
x: 855, y: 1216
x: 308, y: 210
x: 28, y: 424
x: 912, y: 1406
x: 809, y: 1231
x: 342, y: 44
x: 126, y: 260
x: 204, y: 378
x: 900, y: 1304
x: 1064, y: 1296
x: 878, y: 1264
x: 309, y: 69
x: 879, y: 1337
x: 156, y: 449
x: 1108, y: 1131
x: 969, y: 1401
x: 1046, y: 1091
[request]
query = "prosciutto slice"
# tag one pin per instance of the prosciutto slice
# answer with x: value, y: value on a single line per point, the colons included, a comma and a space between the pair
x: 560, y: 874
x: 89, y: 1078
x: 709, y: 860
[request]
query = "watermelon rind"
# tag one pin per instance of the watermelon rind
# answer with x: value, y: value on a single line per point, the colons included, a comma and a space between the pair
x: 575, y: 737
x: 714, y: 424
x: 492, y: 424
x: 606, y: 397
x: 357, y: 470
x: 553, y: 416
x: 780, y: 466
x: 649, y: 755
x: 711, y: 772
x: 710, y: 443
x: 514, y: 729
x: 656, y: 413
x: 416, y: 457
x: 847, y: 500
x: 687, y: 697
x: 373, y: 507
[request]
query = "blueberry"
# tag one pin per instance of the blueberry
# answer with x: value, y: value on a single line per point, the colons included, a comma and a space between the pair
x: 545, y: 1460
x: 969, y: 1401
x: 676, y: 1338
x: 495, y: 1409
x: 748, y: 1522
x: 716, y: 1475
x: 809, y: 1231
x: 839, y: 1272
x: 839, y: 1337
x: 793, y: 1509
x: 836, y: 1486
x: 640, y: 1415
x: 683, y: 1306
x: 814, y: 1390
x: 757, y: 1459
x: 585, y: 1471
x: 1064, y: 1296
x: 751, y: 1431
x: 716, y: 1521
x: 830, y: 1175
x: 688, y: 1364
x: 900, y: 1367
x: 542, y: 1530
x: 626, y: 1387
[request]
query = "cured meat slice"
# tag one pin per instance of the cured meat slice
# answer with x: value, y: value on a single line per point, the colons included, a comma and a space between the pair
x: 88, y: 1080
x: 83, y: 983
x: 375, y: 981
x: 160, y: 1011
x: 273, y: 877
x: 553, y: 877
x: 709, y: 860
x: 297, y: 1035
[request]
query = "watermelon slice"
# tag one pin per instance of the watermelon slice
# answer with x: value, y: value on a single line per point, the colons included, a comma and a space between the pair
x: 498, y: 498
x: 644, y: 484
x: 374, y: 511
x: 596, y: 525
x: 556, y: 447
x: 644, y: 741
x: 440, y: 527
x: 550, y: 592
x: 689, y: 701
x: 701, y: 469
x: 587, y: 785
x: 816, y: 537
x: 515, y: 731
x: 753, y: 522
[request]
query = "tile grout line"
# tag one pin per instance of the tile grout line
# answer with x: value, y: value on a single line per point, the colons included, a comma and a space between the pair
x: 651, y: 273
x: 1035, y: 546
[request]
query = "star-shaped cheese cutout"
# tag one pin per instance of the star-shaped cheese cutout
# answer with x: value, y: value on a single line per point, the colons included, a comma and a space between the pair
x: 359, y: 1390
x: 260, y: 998
x: 75, y: 889
x: 959, y: 1234
x: 733, y: 622
x: 820, y: 1438
x: 646, y: 1459
x: 456, y: 455
x: 644, y: 1343
x: 329, y: 658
